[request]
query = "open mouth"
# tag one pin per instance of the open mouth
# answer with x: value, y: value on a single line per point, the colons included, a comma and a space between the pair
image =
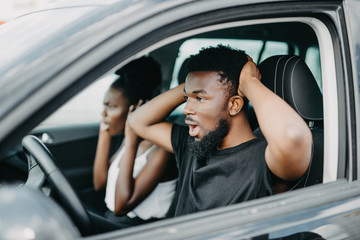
x: 193, y: 130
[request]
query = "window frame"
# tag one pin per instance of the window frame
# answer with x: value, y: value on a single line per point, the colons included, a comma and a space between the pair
x: 330, y: 86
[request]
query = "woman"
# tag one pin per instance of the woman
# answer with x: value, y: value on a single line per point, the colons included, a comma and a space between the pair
x: 140, y: 178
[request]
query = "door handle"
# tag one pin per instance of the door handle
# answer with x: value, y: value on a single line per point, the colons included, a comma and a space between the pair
x: 46, y: 138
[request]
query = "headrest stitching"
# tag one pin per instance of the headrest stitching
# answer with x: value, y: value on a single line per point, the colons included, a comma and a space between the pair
x: 277, y: 64
x: 282, y: 83
x: 292, y: 91
x: 292, y: 94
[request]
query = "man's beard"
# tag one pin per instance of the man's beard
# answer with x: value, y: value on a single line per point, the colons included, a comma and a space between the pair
x: 210, y: 142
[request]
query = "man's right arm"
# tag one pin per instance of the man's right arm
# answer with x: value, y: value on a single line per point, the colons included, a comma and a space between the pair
x: 148, y: 121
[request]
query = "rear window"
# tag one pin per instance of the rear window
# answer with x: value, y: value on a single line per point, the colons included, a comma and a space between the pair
x: 257, y: 49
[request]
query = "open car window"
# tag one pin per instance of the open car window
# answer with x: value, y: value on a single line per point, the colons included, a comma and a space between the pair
x: 85, y: 107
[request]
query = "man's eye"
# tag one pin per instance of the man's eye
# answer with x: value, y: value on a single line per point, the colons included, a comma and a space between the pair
x: 200, y: 99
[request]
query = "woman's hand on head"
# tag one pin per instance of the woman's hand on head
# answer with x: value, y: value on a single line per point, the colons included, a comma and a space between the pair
x: 130, y: 135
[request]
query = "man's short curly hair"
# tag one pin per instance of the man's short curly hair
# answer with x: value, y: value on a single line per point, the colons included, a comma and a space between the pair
x: 228, y: 62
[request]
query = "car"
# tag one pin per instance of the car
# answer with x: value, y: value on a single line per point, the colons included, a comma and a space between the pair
x: 56, y: 63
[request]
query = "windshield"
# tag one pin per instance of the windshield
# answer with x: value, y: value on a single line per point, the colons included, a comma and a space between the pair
x: 28, y: 40
x: 32, y: 31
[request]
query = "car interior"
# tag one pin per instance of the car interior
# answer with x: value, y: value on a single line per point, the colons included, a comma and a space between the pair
x: 288, y: 57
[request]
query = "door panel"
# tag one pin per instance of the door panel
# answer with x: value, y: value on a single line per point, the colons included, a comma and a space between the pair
x: 74, y: 150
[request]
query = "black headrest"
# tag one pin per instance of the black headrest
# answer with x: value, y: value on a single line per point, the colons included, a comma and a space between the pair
x: 291, y: 79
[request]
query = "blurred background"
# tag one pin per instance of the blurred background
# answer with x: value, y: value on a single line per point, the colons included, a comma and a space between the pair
x: 10, y: 9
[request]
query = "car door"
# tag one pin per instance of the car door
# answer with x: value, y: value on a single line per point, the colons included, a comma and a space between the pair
x: 254, y: 218
x: 73, y: 147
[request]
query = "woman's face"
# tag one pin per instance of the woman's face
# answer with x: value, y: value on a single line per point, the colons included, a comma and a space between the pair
x: 115, y: 111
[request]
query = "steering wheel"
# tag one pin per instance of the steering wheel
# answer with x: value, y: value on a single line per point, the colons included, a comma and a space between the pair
x: 42, y: 165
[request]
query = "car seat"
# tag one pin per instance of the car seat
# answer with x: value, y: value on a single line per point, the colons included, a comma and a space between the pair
x: 291, y: 79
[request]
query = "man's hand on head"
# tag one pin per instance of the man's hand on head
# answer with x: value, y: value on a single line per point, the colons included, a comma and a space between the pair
x: 249, y: 73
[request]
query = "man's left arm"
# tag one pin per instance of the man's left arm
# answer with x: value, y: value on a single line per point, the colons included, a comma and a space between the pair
x: 288, y: 153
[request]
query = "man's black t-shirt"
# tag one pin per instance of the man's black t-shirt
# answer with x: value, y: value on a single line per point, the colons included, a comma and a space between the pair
x: 229, y: 176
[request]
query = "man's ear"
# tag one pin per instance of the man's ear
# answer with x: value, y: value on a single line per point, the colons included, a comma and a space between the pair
x: 235, y: 104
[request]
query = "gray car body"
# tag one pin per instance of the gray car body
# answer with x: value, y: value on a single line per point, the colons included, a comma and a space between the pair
x: 50, y: 55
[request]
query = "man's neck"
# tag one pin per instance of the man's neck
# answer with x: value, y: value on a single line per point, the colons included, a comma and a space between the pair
x: 239, y: 132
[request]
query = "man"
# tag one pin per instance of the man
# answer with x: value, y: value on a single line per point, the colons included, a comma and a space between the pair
x: 220, y: 160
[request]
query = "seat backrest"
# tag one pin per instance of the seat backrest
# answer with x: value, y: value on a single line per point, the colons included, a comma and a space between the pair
x: 291, y: 79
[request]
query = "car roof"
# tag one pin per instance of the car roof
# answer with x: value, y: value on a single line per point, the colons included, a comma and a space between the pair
x: 40, y: 44
x: 79, y: 24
